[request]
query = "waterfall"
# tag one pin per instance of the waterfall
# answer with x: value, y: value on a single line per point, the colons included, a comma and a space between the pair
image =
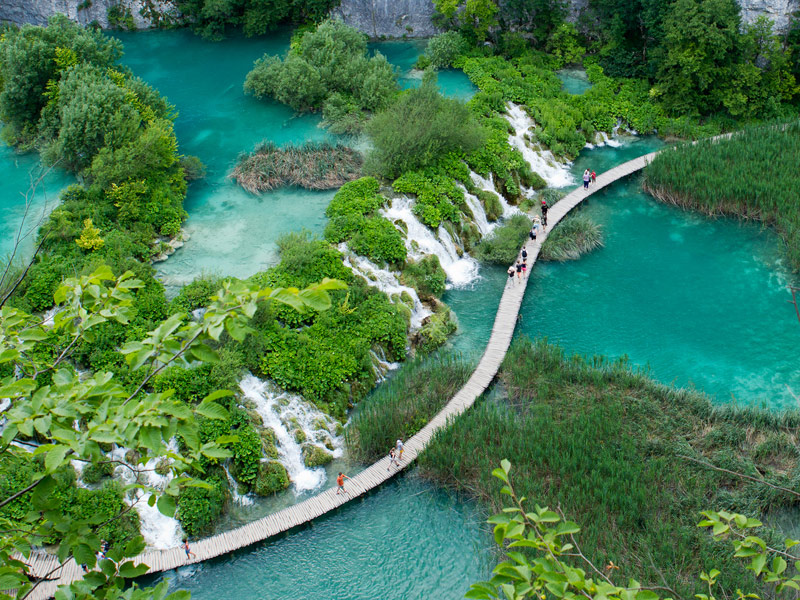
x: 158, y: 530
x: 381, y: 365
x: 385, y: 281
x: 541, y: 162
x: 460, y: 270
x: 478, y: 212
x: 284, y: 413
x: 243, y: 499
x: 487, y: 185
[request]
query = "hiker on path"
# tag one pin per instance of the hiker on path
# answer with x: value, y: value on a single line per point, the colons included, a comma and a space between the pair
x: 537, y: 224
x: 511, y: 273
x: 524, y: 265
x: 594, y: 177
x: 586, y: 177
x: 399, y: 450
x: 392, y: 459
x: 340, y: 482
x: 545, y: 208
x: 524, y: 252
x: 519, y: 270
x: 189, y: 553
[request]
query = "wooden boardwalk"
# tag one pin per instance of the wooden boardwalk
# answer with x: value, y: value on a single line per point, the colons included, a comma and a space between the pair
x: 376, y: 474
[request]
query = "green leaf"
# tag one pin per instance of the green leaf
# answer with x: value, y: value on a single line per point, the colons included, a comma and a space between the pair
x: 212, y: 410
x: 758, y: 562
x: 216, y: 395
x: 128, y: 570
x: 166, y: 505
x: 54, y: 458
x: 204, y: 353
x: 179, y: 595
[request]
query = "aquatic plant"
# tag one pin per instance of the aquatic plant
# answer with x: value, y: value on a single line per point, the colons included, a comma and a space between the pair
x: 404, y: 404
x: 621, y: 454
x: 313, y: 165
x: 572, y: 238
x: 752, y: 176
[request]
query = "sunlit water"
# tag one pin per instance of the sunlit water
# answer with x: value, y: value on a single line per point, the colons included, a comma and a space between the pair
x: 574, y: 81
x: 406, y: 540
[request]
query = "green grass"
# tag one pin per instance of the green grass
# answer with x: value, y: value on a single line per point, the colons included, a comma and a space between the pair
x: 314, y: 166
x: 752, y: 175
x: 402, y: 406
x: 603, y: 443
x: 571, y: 239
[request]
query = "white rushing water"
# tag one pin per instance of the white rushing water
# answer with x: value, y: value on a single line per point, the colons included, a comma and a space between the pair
x: 420, y: 241
x: 541, y: 161
x: 285, y: 413
x: 487, y: 185
x: 385, y: 281
x: 243, y: 499
x: 381, y: 365
x: 479, y: 213
x: 158, y: 530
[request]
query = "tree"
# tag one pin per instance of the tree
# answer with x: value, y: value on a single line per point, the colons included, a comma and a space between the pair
x: 55, y: 417
x: 420, y: 128
x: 538, y: 17
x: 474, y: 18
x: 543, y: 557
x: 444, y: 48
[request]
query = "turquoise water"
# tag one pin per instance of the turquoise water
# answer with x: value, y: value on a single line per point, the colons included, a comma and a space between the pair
x: 407, y: 540
x: 574, y: 81
x: 233, y: 232
x: 20, y: 218
x: 703, y: 302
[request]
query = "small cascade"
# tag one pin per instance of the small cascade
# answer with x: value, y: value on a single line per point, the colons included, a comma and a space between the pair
x: 285, y: 414
x: 385, y: 281
x: 243, y: 499
x: 158, y: 530
x: 479, y: 213
x: 541, y: 162
x: 420, y: 241
x: 381, y: 366
x: 487, y: 185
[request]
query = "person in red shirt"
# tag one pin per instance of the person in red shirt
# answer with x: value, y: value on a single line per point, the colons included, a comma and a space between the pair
x: 340, y: 482
x: 594, y: 177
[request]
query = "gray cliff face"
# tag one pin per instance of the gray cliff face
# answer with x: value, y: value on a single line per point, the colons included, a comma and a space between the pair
x: 37, y: 12
x: 390, y: 18
x: 780, y: 11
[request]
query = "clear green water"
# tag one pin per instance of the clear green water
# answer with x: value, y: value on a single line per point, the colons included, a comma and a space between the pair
x: 703, y: 302
x: 406, y: 540
x: 234, y: 232
x: 17, y: 171
x: 574, y: 81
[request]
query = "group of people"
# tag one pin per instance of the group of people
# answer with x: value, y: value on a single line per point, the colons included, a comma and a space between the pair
x: 395, y: 457
x: 589, y: 177
x: 539, y: 226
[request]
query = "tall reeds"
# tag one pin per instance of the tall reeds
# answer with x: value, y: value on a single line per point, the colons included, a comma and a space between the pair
x: 605, y: 443
x: 752, y: 175
x: 402, y: 406
x: 572, y: 238
x: 314, y: 166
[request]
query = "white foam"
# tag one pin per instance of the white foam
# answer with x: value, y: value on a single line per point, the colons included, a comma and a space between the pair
x: 541, y: 162
x: 488, y: 186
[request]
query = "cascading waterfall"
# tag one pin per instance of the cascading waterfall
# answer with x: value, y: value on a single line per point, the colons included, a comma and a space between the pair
x: 233, y: 485
x: 381, y: 365
x: 158, y: 530
x: 542, y: 162
x: 385, y: 281
x: 285, y: 413
x: 420, y: 241
x: 487, y: 185
x: 478, y: 212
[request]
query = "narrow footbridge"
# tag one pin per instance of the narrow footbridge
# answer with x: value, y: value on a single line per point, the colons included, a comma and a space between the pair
x: 47, y: 566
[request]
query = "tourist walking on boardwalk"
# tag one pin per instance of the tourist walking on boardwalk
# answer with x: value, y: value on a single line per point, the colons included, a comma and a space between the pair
x: 340, y: 482
x: 511, y: 273
x: 537, y: 225
x: 399, y: 450
x: 189, y: 553
x: 524, y: 265
x: 519, y: 270
x: 586, y: 177
x: 545, y: 208
x: 392, y: 459
x: 524, y: 252
x: 594, y: 177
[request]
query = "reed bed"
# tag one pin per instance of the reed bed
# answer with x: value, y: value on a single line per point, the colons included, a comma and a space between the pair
x: 604, y: 443
x: 751, y: 175
x: 314, y: 166
x: 572, y: 238
x: 402, y: 406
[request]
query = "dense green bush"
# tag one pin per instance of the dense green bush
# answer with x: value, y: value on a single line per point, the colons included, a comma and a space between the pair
x: 491, y: 204
x: 443, y: 49
x: 503, y: 246
x: 94, y: 472
x: 199, y: 508
x: 426, y: 276
x: 419, y: 128
x: 358, y: 197
x: 272, y: 478
x: 327, y: 69
x: 438, y: 196
x: 379, y: 240
x: 436, y: 330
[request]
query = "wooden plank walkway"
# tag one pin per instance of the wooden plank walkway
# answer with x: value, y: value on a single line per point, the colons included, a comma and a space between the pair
x: 379, y: 472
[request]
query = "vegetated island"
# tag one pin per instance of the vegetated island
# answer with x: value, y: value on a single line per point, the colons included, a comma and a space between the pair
x: 750, y: 175
x: 313, y: 165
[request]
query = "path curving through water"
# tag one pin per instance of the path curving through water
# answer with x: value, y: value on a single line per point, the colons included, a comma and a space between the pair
x: 43, y: 564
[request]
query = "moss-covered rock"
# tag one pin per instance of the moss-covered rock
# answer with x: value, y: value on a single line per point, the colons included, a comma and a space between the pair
x: 320, y: 424
x: 299, y: 436
x: 435, y: 329
x: 314, y: 456
x: 94, y: 472
x: 491, y: 204
x: 426, y: 276
x: 163, y: 467
x: 268, y: 443
x: 272, y: 477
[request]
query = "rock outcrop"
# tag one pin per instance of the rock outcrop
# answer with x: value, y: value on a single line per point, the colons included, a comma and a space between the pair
x: 388, y: 18
x: 141, y: 14
x: 780, y: 11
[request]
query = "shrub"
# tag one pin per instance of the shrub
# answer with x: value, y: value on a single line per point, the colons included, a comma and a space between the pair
x: 504, y: 244
x: 491, y: 204
x: 438, y: 196
x: 358, y: 197
x: 426, y: 276
x: 379, y: 240
x: 272, y: 478
x: 199, y: 508
x: 193, y: 168
x: 436, y: 330
x: 94, y: 472
x: 444, y: 48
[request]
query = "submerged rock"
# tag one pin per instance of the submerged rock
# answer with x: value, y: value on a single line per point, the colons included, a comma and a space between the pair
x: 272, y: 477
